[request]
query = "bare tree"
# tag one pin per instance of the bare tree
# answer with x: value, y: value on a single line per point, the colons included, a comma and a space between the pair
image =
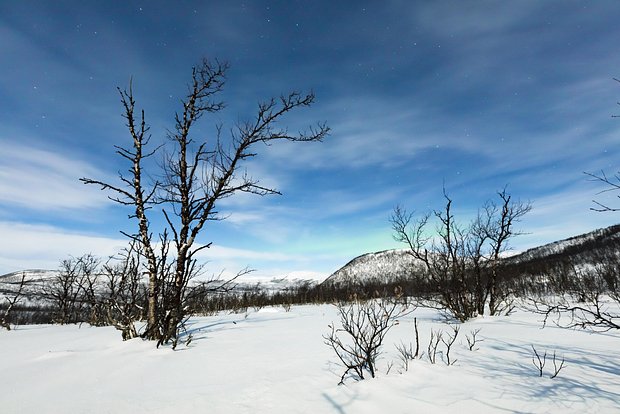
x: 132, y: 191
x: 124, y: 300
x: 612, y: 183
x: 462, y: 260
x: 89, y: 290
x: 64, y: 291
x: 196, y: 175
x: 591, y: 301
x: 13, y: 292
x: 602, y: 284
x: 499, y: 220
x: 363, y: 327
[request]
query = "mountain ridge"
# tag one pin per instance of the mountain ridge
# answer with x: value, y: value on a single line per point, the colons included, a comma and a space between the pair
x: 389, y: 265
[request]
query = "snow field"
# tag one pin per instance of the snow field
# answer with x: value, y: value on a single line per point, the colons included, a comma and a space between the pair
x: 272, y: 361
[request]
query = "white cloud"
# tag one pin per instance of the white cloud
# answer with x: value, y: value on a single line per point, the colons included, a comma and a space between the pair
x: 217, y: 252
x: 43, y: 180
x: 26, y: 246
x: 563, y: 214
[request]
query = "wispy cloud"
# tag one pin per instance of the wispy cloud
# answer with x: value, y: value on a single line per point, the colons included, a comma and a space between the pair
x: 43, y: 180
x: 418, y: 96
x: 563, y: 214
x: 27, y: 246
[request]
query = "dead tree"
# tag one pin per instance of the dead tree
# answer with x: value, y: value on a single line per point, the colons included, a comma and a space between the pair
x: 363, y: 327
x: 462, y: 260
x: 499, y: 229
x: 124, y: 301
x: 197, y: 175
x: 132, y: 191
x: 591, y: 303
x: 64, y: 290
x: 13, y: 291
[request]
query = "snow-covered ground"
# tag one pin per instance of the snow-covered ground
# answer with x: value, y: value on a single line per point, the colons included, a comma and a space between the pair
x: 273, y: 361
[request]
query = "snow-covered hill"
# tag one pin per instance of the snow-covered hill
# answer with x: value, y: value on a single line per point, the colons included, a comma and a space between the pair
x: 35, y: 278
x: 583, y: 248
x: 33, y: 275
x: 389, y: 265
x: 33, y: 281
x: 382, y: 266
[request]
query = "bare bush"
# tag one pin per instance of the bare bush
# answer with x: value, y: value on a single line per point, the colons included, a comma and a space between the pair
x: 556, y: 368
x: 539, y: 363
x: 472, y: 339
x: 89, y: 290
x: 462, y: 261
x: 406, y: 352
x: 589, y: 299
x: 433, y: 343
x: 124, y: 297
x: 449, y: 341
x: 66, y: 291
x: 363, y: 326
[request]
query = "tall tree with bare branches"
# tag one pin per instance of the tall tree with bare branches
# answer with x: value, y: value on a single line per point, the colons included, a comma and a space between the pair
x: 132, y: 191
x: 197, y: 173
x: 462, y: 260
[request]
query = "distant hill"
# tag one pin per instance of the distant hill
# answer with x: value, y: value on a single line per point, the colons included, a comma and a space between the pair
x: 31, y: 275
x: 586, y: 249
x: 388, y: 265
x: 381, y: 266
x: 33, y: 280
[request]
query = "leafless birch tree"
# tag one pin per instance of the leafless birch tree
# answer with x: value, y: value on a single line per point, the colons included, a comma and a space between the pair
x: 197, y: 173
x: 13, y: 292
x: 133, y: 192
x: 461, y: 261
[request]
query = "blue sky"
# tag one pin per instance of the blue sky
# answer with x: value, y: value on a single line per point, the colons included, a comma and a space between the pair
x: 471, y: 95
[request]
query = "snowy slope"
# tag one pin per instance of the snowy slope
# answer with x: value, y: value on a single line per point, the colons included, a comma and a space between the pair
x: 596, y: 243
x: 32, y: 275
x: 33, y: 280
x: 276, y: 362
x: 394, y: 264
x: 381, y: 266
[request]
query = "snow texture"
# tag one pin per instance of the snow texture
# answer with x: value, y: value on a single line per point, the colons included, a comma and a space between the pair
x: 272, y: 361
